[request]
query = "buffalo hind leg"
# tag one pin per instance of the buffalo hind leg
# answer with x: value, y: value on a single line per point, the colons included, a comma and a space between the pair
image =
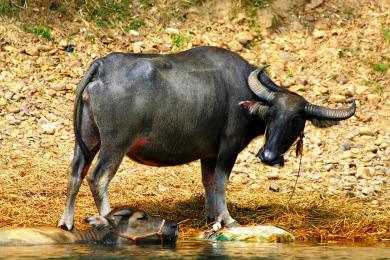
x: 208, y: 174
x: 101, y: 174
x: 76, y: 173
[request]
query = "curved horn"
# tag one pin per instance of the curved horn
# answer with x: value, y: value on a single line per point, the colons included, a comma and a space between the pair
x: 329, y: 113
x: 258, y: 88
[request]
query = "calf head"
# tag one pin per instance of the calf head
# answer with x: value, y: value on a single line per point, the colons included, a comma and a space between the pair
x: 285, y: 114
x: 131, y: 225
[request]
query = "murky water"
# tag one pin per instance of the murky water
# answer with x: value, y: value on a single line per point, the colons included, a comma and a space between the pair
x: 188, y: 249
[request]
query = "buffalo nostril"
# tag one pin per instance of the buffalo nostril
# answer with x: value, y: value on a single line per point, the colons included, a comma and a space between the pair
x: 173, y: 225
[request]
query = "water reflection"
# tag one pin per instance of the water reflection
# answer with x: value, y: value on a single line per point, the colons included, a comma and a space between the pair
x: 187, y: 249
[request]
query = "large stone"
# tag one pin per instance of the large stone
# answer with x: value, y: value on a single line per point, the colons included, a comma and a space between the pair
x: 172, y: 31
x: 57, y: 87
x: 374, y: 99
x: 366, y: 131
x: 235, y: 46
x: 338, y: 98
x: 13, y: 109
x: 31, y: 51
x: 244, y: 37
x: 3, y: 102
x: 44, y: 47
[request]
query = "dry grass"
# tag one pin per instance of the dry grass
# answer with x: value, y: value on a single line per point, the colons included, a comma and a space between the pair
x: 34, y: 192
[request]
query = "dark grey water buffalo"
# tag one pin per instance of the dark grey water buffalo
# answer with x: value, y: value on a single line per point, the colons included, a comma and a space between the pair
x: 206, y: 103
x: 124, y: 225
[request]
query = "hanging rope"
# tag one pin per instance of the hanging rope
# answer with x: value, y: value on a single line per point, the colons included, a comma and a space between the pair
x: 298, y: 151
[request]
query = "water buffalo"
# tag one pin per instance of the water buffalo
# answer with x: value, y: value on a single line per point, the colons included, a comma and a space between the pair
x: 124, y: 225
x: 206, y: 103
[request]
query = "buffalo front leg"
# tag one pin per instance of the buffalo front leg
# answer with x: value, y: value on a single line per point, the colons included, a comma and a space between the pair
x: 222, y: 172
x: 100, y: 176
x: 208, y: 174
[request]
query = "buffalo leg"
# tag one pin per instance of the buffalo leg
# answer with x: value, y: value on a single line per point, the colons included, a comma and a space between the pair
x: 76, y: 173
x: 78, y: 169
x: 101, y: 174
x: 208, y: 174
x: 222, y: 172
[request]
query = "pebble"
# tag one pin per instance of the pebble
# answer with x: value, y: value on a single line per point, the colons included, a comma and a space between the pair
x: 274, y: 187
x: 62, y: 44
x: 12, y: 120
x: 272, y: 176
x: 172, y: 31
x: 345, y: 146
x: 235, y: 46
x: 49, y: 129
x: 368, y: 191
x: 366, y: 131
x: 51, y: 117
x: 244, y: 37
x: 57, y: 87
x: 374, y: 99
x: 8, y: 95
x: 309, y: 18
x: 13, y: 109
x: 338, y: 98
x: 31, y: 51
x: 3, y: 102
x: 44, y: 47
x: 286, y: 83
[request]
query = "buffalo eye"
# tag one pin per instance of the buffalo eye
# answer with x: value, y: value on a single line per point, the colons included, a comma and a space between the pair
x: 296, y: 121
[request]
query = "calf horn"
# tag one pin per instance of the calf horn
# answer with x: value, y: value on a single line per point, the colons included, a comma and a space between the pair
x: 258, y: 88
x: 328, y: 113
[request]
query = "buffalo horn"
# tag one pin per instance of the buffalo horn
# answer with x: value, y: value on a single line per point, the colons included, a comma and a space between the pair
x: 259, y: 89
x: 328, y: 113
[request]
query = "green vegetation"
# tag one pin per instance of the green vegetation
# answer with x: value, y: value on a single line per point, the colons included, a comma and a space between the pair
x: 332, y: 77
x: 91, y: 38
x: 178, y: 40
x: 39, y: 30
x: 134, y: 25
x: 252, y: 6
x: 350, y: 14
x: 386, y: 34
x: 380, y: 67
x: 378, y: 89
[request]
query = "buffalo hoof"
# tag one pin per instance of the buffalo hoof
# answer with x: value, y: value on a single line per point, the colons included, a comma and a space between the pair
x: 64, y: 227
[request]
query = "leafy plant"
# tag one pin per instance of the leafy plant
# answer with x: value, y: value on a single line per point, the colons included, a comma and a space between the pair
x: 350, y: 14
x: 91, y: 38
x: 39, y: 30
x: 378, y: 89
x: 386, y: 34
x: 134, y: 25
x: 252, y: 6
x: 380, y: 67
x: 178, y: 40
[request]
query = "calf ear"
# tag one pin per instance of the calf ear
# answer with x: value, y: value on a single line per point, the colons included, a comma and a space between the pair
x: 123, y: 213
x: 256, y: 108
x: 97, y: 221
x: 324, y: 123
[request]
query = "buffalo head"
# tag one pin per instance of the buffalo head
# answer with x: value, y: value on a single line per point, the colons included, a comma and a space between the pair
x: 285, y: 114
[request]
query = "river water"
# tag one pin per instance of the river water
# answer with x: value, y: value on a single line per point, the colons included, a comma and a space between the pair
x: 190, y: 249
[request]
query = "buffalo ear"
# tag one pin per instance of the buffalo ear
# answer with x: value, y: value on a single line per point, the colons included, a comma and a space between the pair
x: 324, y: 123
x: 256, y: 107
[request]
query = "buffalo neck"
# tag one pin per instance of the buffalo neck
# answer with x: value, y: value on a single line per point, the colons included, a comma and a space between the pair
x: 94, y: 236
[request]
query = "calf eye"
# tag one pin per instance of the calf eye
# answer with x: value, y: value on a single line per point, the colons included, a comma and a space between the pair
x: 143, y: 218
